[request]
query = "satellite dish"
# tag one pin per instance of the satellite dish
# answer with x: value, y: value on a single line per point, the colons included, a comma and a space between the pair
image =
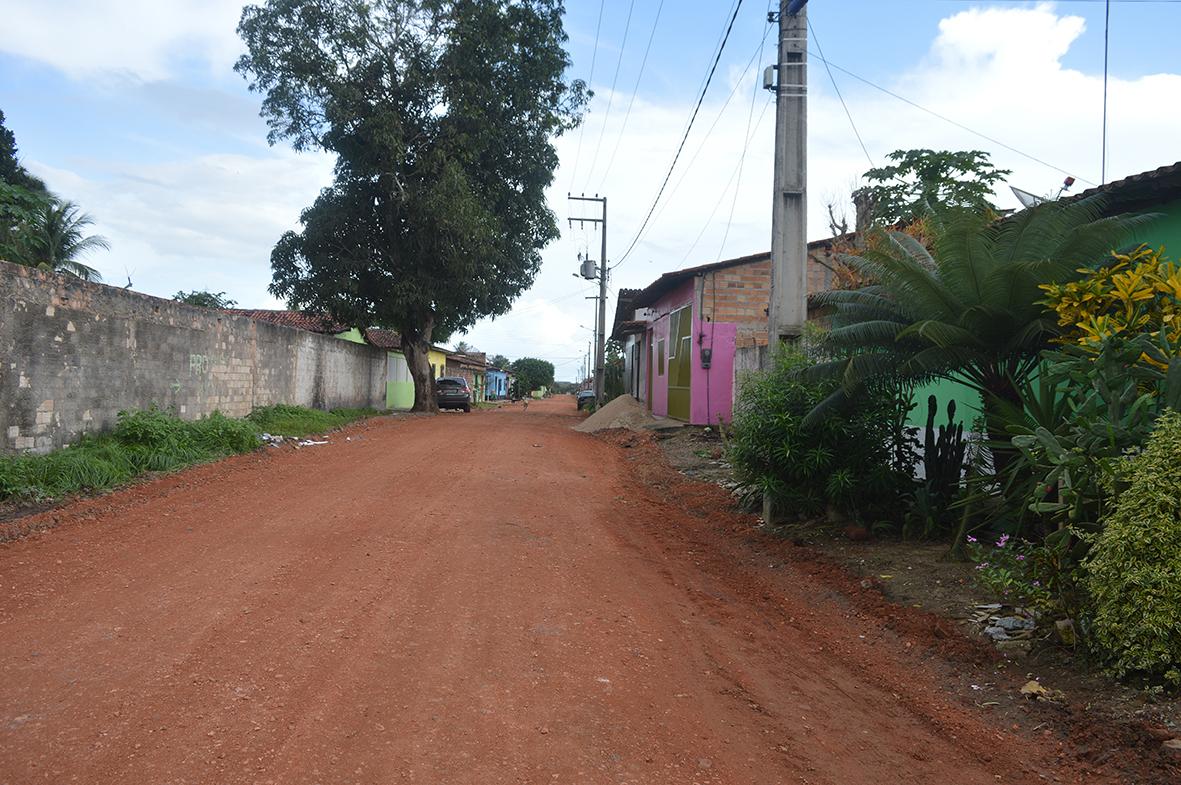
x: 1026, y: 198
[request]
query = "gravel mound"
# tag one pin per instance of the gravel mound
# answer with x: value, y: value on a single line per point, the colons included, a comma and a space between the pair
x: 623, y: 412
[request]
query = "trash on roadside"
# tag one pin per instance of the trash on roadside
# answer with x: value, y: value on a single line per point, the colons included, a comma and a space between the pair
x: 1034, y: 690
x: 309, y: 443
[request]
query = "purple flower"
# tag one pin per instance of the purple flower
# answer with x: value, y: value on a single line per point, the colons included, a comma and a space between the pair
x: 1037, y: 583
x: 971, y: 538
x: 1001, y: 542
x: 1020, y: 557
x: 982, y: 565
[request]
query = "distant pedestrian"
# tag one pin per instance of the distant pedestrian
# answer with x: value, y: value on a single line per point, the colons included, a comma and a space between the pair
x: 526, y: 406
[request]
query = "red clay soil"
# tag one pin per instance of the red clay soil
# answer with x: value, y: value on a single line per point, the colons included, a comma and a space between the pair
x: 470, y: 598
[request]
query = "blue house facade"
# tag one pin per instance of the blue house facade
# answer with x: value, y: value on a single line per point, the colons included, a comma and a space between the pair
x: 497, y: 384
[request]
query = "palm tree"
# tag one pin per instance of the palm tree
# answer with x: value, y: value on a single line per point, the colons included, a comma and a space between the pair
x: 55, y: 240
x: 967, y: 309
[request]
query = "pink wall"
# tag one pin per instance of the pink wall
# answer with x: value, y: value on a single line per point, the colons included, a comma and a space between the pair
x: 674, y: 300
x: 710, y: 390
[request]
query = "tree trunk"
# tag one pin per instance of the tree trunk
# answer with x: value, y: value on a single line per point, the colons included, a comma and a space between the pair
x: 416, y: 345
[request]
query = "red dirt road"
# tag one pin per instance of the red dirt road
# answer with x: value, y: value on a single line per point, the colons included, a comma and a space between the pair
x: 482, y: 598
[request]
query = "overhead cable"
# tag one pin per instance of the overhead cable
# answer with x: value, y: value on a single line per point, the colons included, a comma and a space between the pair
x: 611, y: 98
x: 680, y: 147
x: 948, y: 120
x: 589, y: 80
x: 844, y: 106
x: 635, y: 89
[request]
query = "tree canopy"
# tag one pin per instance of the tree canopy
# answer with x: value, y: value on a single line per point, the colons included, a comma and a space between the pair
x: 38, y: 229
x: 499, y: 361
x: 532, y: 374
x: 22, y: 197
x: 442, y: 115
x: 919, y: 181
x: 204, y: 299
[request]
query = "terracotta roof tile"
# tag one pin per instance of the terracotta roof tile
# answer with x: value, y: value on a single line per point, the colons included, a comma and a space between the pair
x: 316, y: 323
x: 383, y: 339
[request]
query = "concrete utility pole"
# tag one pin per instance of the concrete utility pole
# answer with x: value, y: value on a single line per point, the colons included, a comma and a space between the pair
x: 601, y: 317
x: 789, y: 242
x: 789, y: 245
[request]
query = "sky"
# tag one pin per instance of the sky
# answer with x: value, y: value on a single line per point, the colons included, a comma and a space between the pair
x: 133, y: 110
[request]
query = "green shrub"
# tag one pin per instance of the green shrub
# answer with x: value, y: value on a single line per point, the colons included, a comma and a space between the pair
x: 851, y: 459
x: 149, y: 428
x: 220, y: 434
x: 1134, y: 570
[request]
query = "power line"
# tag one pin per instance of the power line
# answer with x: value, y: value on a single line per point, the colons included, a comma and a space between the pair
x: 754, y: 57
x: 722, y: 196
x: 844, y: 106
x: 746, y: 145
x: 589, y: 80
x: 627, y: 113
x: 684, y: 138
x: 611, y: 98
x: 948, y: 120
x: 1106, y: 30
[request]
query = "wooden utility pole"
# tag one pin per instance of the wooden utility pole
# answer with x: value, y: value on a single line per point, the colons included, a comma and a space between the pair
x: 601, y: 316
x: 789, y: 247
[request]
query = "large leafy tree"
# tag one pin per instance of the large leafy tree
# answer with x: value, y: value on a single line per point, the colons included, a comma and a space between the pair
x: 22, y: 197
x: 442, y: 115
x: 532, y: 374
x: 915, y: 182
x: 970, y: 307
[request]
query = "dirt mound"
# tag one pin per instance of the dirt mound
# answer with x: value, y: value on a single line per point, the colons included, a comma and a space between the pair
x: 623, y: 412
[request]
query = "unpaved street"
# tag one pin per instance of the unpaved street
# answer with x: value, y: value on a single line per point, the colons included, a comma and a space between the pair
x: 482, y: 598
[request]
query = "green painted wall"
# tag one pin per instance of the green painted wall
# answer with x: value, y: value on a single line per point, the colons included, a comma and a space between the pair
x: 352, y: 334
x: 399, y: 391
x: 1165, y: 230
x: 967, y: 403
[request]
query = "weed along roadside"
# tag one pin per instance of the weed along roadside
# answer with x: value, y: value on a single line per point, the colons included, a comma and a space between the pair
x: 153, y: 441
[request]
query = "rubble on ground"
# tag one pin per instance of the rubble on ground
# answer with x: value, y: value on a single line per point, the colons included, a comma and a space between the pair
x: 622, y: 412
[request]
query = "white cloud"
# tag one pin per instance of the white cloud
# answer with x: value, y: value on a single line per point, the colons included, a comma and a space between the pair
x: 207, y: 222
x: 146, y: 39
x: 997, y: 70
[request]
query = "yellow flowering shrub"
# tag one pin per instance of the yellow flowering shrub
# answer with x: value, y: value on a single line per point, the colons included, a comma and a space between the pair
x: 1139, y: 292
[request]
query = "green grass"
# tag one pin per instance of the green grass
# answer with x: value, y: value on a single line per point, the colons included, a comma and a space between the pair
x: 152, y: 440
x: 284, y: 420
x: 143, y: 441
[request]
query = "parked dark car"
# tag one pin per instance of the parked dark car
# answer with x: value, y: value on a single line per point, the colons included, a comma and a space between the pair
x: 584, y: 397
x: 452, y: 392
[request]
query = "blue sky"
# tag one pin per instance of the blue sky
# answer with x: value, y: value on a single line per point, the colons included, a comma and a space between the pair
x: 133, y: 111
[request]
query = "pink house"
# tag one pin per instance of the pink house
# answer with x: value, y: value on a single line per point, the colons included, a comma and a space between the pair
x: 690, y: 335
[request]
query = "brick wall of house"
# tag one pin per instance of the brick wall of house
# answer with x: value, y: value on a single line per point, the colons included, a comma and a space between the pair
x: 741, y: 294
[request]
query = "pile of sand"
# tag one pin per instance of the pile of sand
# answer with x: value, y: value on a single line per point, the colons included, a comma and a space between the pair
x: 623, y: 412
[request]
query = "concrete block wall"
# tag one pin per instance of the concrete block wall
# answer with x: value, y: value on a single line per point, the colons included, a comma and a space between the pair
x: 73, y: 354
